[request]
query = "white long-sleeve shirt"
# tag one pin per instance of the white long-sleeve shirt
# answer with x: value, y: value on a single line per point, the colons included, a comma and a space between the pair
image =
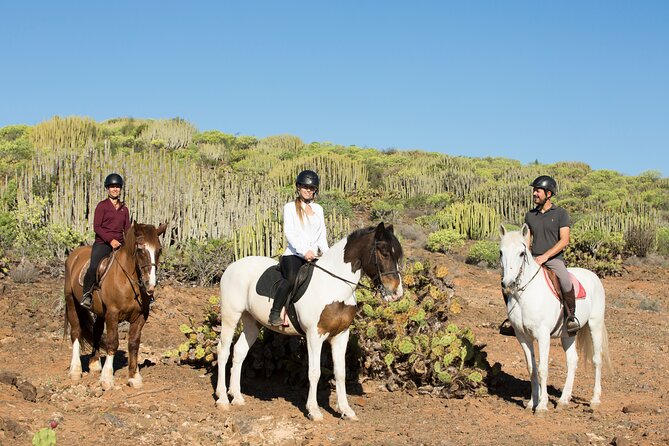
x: 306, y: 235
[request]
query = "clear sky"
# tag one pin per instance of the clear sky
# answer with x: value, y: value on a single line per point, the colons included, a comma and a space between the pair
x: 528, y: 80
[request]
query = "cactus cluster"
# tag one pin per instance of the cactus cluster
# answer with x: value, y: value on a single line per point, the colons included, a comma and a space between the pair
x: 410, y: 344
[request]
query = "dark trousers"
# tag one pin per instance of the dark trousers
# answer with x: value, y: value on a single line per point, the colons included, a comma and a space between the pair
x: 290, y: 266
x: 98, y: 252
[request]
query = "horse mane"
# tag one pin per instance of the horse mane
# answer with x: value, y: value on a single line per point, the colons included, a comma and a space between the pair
x: 130, y: 238
x: 388, y: 236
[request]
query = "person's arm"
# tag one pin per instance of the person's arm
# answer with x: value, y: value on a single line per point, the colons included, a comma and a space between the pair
x: 292, y: 229
x: 98, y: 218
x: 559, y: 246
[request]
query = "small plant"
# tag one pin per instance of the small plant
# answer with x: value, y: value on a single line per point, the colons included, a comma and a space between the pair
x: 45, y: 437
x: 444, y: 240
x: 484, y: 252
x: 640, y: 240
x: 26, y: 272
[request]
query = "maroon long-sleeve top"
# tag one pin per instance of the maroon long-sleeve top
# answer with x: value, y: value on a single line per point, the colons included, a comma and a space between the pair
x: 110, y: 223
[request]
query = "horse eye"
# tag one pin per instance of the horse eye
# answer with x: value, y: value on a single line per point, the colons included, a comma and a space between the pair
x: 522, y: 254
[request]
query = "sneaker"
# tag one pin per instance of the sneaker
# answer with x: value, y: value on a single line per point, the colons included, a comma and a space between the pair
x: 275, y: 319
x: 572, y: 326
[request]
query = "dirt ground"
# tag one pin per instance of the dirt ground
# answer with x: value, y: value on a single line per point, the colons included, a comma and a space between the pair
x: 177, y: 406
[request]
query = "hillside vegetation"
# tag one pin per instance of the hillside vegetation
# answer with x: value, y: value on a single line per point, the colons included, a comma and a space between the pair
x: 221, y: 196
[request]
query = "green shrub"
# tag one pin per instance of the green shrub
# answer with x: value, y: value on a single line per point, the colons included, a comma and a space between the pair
x: 201, y: 262
x: 382, y: 210
x: 598, y: 251
x: 640, y: 240
x: 484, y: 251
x: 444, y: 240
x: 663, y: 241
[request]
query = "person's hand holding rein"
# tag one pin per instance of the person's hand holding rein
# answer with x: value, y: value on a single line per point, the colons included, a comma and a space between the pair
x: 309, y: 256
x: 115, y: 244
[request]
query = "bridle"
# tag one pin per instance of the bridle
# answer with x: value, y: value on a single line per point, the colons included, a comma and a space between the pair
x: 376, y: 279
x: 515, y: 285
x: 141, y: 284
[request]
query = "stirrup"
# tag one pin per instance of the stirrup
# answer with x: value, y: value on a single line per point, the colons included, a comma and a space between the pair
x: 275, y: 320
x: 506, y: 329
x: 572, y: 325
x: 87, y: 300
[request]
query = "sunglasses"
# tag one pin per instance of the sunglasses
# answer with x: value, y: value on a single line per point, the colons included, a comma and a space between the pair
x: 309, y: 188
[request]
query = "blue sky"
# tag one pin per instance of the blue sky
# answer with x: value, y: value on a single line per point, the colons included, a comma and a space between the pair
x: 528, y: 80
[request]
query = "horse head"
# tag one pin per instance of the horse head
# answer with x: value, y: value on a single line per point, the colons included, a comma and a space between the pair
x: 377, y: 252
x: 147, y: 248
x: 514, y: 255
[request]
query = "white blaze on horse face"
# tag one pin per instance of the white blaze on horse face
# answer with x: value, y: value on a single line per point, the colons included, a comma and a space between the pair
x: 152, y: 274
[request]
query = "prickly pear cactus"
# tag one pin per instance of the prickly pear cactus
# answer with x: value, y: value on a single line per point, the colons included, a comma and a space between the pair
x: 44, y: 437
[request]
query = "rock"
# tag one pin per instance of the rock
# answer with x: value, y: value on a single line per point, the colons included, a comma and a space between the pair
x: 620, y: 441
x: 8, y: 340
x: 635, y: 408
x: 11, y: 427
x: 8, y: 378
x: 28, y: 391
x: 113, y: 420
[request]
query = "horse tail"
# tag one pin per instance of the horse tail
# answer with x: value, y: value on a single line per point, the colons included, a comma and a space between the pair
x: 586, y: 349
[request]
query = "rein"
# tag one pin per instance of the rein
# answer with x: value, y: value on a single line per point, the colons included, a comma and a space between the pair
x: 516, y: 282
x: 377, y: 278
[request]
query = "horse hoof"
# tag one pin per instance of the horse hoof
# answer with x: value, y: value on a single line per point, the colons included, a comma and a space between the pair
x: 107, y: 385
x: 75, y: 377
x: 594, y: 404
x: 315, y: 416
x: 135, y: 383
x: 222, y: 405
x: 540, y: 412
x: 238, y: 401
x: 350, y: 416
x: 94, y: 367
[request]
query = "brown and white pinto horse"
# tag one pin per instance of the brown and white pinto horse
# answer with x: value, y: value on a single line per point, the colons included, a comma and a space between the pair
x: 124, y: 295
x: 325, y: 311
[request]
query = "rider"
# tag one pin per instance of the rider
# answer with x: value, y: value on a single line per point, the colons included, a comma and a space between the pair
x: 110, y: 222
x: 304, y: 227
x: 549, y: 226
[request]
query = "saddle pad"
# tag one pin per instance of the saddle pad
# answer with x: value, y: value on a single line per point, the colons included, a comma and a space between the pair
x: 103, y: 268
x: 270, y: 280
x: 579, y: 291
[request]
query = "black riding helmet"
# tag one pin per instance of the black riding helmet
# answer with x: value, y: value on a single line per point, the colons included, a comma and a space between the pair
x: 307, y: 178
x: 114, y: 179
x: 546, y: 183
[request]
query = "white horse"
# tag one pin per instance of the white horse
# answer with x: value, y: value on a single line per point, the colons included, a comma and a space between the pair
x: 325, y: 311
x: 536, y: 314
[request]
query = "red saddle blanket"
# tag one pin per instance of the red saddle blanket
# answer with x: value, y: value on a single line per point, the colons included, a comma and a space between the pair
x: 579, y: 291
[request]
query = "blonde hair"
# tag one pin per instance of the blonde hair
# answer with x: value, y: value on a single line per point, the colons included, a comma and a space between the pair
x: 299, y: 210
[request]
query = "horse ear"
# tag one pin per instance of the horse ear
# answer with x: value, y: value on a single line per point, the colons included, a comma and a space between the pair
x: 525, y: 231
x: 390, y: 228
x: 380, y: 230
x: 502, y: 231
x: 356, y: 265
x: 161, y: 229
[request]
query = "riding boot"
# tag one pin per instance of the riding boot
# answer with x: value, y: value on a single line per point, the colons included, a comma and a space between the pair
x: 87, y: 297
x: 275, y: 319
x: 571, y: 322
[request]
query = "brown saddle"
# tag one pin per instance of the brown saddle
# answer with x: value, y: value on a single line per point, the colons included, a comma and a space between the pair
x: 553, y: 280
x: 103, y: 269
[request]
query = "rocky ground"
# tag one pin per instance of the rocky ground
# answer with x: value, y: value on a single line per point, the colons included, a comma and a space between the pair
x: 176, y: 405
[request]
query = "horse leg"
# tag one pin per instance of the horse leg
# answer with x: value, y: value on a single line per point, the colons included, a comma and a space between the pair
x: 94, y: 361
x: 339, y: 344
x: 569, y: 346
x: 107, y: 375
x: 75, y: 335
x: 314, y: 346
x: 228, y: 324
x: 241, y: 349
x: 543, y: 344
x: 528, y: 348
x: 134, y: 336
x: 596, y: 344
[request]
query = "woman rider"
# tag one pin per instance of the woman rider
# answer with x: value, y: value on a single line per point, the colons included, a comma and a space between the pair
x: 304, y: 227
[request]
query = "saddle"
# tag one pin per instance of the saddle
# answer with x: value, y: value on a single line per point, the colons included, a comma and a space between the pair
x: 554, y: 284
x: 270, y: 280
x: 103, y: 269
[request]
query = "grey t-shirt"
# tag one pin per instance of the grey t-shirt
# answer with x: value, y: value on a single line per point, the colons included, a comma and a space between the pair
x: 545, y: 228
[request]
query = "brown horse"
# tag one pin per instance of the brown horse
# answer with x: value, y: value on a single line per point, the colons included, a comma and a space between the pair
x: 124, y: 295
